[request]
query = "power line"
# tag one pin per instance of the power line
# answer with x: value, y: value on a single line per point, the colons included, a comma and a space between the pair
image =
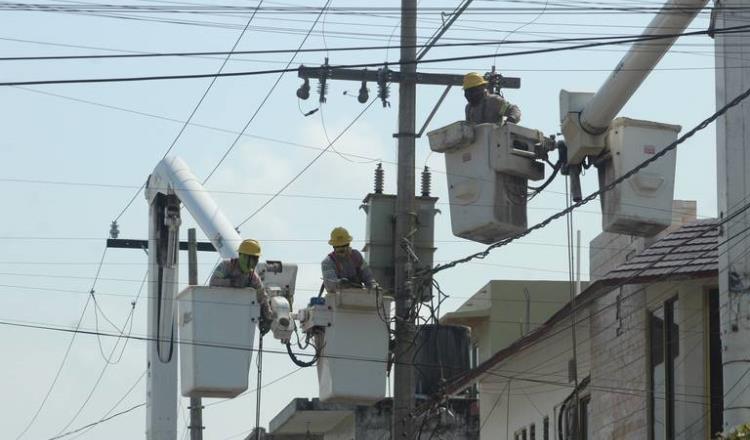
x: 91, y: 425
x: 107, y: 414
x: 309, y: 164
x: 736, y: 29
x: 582, y: 7
x: 265, y: 99
x: 67, y: 351
x: 485, y: 42
x: 197, y: 105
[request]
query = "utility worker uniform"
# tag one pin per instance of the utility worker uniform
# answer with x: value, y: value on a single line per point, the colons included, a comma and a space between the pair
x: 484, y: 107
x: 240, y: 273
x: 345, y: 266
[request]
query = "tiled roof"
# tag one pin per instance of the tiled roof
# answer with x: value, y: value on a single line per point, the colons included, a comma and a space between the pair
x: 689, y: 252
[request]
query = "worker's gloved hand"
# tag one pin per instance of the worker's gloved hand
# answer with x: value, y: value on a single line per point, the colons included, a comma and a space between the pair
x: 266, y: 318
x: 264, y: 326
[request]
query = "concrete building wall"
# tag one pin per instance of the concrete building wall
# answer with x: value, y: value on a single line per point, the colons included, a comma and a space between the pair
x: 620, y: 363
x: 343, y: 431
x: 537, y: 378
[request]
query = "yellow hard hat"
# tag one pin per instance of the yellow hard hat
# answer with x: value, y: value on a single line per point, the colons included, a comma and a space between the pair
x: 249, y: 247
x: 473, y: 79
x: 340, y: 237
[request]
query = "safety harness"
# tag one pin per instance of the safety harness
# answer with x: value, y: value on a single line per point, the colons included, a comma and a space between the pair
x: 356, y: 258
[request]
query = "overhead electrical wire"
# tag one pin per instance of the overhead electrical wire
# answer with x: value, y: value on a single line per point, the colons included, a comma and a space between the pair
x: 485, y: 42
x: 307, y: 166
x: 267, y: 96
x: 736, y: 29
x: 197, y: 105
x: 65, y: 357
x: 582, y: 7
x: 91, y: 425
x: 68, y: 349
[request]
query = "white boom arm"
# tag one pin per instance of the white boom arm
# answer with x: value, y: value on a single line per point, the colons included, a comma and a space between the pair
x: 172, y: 183
x: 172, y: 176
x: 584, y: 117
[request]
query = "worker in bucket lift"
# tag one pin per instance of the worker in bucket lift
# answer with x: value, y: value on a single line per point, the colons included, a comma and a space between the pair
x: 240, y: 272
x: 345, y: 267
x: 485, y: 107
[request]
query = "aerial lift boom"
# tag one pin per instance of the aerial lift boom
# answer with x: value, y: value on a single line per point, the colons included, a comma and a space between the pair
x: 171, y: 184
x: 586, y: 117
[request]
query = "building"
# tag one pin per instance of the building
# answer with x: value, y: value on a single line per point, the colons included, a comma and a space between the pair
x: 505, y: 310
x: 311, y: 419
x: 647, y: 349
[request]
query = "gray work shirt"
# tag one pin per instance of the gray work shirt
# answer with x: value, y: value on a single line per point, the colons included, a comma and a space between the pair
x: 228, y: 274
x: 353, y: 267
x: 491, y: 109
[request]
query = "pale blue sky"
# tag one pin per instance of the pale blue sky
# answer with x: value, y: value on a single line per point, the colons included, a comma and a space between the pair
x: 52, y: 235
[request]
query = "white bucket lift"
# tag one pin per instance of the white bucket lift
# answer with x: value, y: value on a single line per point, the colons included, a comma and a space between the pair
x: 352, y: 366
x: 488, y: 167
x: 217, y: 328
x: 642, y: 205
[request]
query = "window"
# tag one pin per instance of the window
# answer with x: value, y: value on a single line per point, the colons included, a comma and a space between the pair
x: 585, y: 413
x: 545, y: 428
x: 664, y: 348
x: 532, y: 432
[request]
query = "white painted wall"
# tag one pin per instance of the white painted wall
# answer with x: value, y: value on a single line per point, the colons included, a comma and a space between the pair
x: 538, y: 382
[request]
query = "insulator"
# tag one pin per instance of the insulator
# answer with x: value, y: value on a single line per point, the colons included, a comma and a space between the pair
x: 322, y: 89
x: 114, y: 230
x: 364, y: 93
x: 304, y: 90
x: 426, y: 182
x: 379, y: 179
x: 383, y: 88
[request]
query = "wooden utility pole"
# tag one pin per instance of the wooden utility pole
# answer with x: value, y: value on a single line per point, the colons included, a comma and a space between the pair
x: 196, y: 406
x: 403, y: 387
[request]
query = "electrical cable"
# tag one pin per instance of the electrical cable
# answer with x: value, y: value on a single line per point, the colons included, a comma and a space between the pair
x: 299, y: 363
x: 67, y: 352
x: 532, y: 21
x: 736, y: 29
x: 196, y: 107
x: 106, y: 417
x: 563, y: 8
x: 309, y: 164
x: 108, y: 359
x: 268, y: 95
x: 259, y: 361
x: 91, y: 425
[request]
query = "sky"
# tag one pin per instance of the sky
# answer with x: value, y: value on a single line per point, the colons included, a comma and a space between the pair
x: 74, y: 155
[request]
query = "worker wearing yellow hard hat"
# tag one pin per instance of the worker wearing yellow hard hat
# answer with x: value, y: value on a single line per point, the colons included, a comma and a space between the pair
x: 485, y: 107
x: 240, y: 272
x: 345, y: 267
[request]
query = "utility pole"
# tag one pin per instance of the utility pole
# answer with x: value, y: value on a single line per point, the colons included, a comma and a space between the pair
x: 407, y: 77
x: 403, y: 386
x: 196, y: 406
x: 733, y: 160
